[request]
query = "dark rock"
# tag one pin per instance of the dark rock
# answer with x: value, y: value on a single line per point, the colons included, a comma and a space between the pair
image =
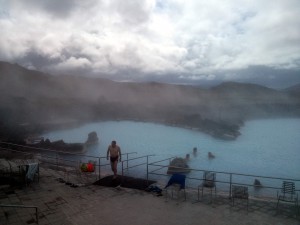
x: 47, y: 142
x: 60, y: 145
x: 257, y: 183
x: 92, y: 138
x: 178, y: 165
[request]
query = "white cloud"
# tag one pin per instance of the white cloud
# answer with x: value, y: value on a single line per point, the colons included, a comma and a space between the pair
x: 73, y: 64
x: 148, y: 36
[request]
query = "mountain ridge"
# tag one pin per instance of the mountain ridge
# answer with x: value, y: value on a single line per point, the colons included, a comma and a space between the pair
x: 36, y: 98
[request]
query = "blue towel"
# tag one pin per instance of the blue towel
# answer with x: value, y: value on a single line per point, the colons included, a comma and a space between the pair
x: 177, y: 179
x: 32, y: 169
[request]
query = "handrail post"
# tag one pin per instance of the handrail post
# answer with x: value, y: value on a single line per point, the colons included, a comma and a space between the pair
x: 99, y: 168
x: 122, y: 168
x: 127, y: 160
x: 230, y: 182
x: 37, y: 215
x: 147, y: 170
x: 56, y: 161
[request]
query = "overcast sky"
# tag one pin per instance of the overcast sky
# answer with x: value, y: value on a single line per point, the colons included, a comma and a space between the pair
x: 177, y: 41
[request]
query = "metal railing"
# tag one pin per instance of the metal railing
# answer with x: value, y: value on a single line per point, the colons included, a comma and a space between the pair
x: 158, y: 168
x: 61, y: 158
x: 228, y: 179
x: 136, y: 165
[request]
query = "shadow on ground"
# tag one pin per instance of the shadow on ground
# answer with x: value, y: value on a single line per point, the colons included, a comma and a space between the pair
x: 124, y: 181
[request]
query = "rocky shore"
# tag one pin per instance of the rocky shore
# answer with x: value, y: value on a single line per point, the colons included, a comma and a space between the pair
x: 30, y: 134
x: 60, y: 145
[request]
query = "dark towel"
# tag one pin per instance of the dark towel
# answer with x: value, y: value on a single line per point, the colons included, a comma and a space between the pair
x: 177, y: 179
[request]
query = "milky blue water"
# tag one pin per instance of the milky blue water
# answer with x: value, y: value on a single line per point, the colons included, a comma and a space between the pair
x: 269, y: 147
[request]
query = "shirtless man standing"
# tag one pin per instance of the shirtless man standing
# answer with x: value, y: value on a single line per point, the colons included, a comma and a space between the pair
x: 114, y: 151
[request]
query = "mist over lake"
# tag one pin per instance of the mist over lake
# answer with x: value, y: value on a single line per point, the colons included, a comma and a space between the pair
x: 268, y: 147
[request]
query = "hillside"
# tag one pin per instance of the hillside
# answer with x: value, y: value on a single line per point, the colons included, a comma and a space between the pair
x: 293, y: 90
x: 32, y: 101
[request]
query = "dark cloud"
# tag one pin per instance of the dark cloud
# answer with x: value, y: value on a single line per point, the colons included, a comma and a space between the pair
x: 262, y: 75
x: 268, y: 76
x: 56, y: 8
x: 34, y: 59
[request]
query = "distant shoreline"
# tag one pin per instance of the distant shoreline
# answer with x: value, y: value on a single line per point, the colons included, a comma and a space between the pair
x: 215, y: 133
x: 75, y: 147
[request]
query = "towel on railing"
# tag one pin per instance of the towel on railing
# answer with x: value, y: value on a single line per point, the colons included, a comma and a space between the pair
x: 87, y: 167
x: 32, y: 169
x: 177, y: 179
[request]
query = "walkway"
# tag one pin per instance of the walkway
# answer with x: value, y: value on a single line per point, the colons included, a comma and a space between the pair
x: 60, y: 204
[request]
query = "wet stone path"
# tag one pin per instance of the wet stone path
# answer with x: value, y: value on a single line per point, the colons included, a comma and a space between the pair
x: 59, y: 203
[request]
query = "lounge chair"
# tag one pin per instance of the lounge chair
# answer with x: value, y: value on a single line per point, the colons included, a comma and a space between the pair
x: 288, y: 194
x: 239, y: 192
x: 209, y: 182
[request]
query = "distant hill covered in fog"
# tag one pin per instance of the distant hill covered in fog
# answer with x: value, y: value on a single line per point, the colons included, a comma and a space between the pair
x: 31, y: 100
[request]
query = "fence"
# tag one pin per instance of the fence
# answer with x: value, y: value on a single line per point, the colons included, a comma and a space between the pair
x: 224, y: 180
x: 157, y: 170
x: 60, y: 159
x: 139, y: 161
